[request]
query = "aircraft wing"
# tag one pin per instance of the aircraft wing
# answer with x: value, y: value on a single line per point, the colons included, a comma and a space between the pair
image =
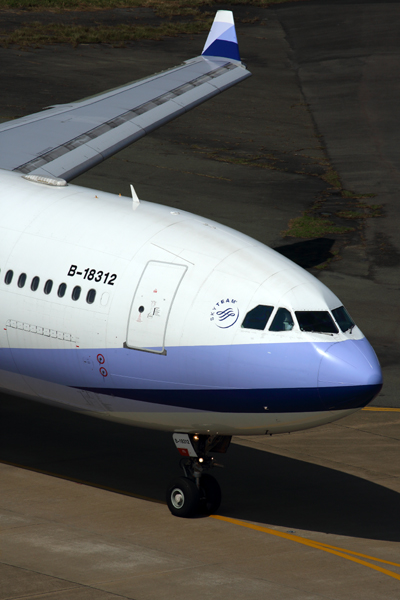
x: 67, y: 140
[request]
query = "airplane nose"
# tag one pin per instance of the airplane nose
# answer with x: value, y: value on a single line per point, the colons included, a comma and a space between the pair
x: 349, y: 375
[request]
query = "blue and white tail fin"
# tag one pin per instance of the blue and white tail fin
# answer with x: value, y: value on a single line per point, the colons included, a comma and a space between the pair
x: 222, y: 40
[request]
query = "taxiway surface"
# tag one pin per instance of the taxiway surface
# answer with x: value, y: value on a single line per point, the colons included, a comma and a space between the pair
x: 81, y: 508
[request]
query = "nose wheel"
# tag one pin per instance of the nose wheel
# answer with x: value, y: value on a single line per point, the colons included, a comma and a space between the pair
x: 183, y: 497
x: 196, y: 493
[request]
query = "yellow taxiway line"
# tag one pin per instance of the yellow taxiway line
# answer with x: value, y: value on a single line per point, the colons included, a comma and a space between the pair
x: 342, y: 552
x: 381, y: 409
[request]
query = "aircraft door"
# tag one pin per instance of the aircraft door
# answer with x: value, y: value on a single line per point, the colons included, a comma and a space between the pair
x: 151, y: 306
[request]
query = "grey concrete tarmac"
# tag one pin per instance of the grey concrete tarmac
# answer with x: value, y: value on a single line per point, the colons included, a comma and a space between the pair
x: 84, y: 517
x: 346, y: 55
x: 81, y: 508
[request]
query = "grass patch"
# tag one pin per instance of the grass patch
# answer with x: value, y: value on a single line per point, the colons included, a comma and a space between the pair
x: 332, y: 178
x: 57, y: 33
x: 200, y: 13
x: 166, y: 6
x: 375, y: 208
x: 61, y: 5
x: 368, y: 211
x: 350, y: 214
x: 311, y: 227
x: 355, y: 195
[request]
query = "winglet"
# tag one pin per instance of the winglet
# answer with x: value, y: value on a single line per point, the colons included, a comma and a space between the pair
x: 222, y: 40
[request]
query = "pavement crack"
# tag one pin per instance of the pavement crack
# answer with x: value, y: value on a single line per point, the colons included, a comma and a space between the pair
x: 388, y: 437
x: 55, y: 593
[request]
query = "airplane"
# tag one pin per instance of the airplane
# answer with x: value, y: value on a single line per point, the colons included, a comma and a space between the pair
x: 149, y: 315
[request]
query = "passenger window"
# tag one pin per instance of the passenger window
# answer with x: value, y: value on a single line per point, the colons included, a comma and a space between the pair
x: 343, y: 319
x: 283, y: 321
x: 90, y: 296
x: 48, y: 286
x: 21, y: 280
x: 317, y: 321
x: 62, y: 288
x: 76, y: 292
x: 35, y: 283
x: 258, y: 317
x: 8, y: 277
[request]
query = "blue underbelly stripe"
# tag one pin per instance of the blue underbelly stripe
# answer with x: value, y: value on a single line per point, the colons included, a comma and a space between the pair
x: 295, y: 400
x: 252, y: 366
x: 253, y: 378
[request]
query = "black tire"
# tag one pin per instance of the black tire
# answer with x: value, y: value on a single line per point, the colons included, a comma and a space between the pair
x: 210, y: 494
x: 183, y: 497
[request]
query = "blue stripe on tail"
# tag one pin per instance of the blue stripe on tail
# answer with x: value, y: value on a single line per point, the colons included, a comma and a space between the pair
x: 222, y: 40
x: 223, y: 48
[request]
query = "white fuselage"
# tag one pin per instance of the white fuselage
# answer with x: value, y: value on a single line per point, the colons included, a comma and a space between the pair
x: 155, y: 337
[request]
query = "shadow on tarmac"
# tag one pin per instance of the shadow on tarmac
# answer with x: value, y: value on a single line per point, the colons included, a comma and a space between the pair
x: 308, y: 254
x: 256, y: 485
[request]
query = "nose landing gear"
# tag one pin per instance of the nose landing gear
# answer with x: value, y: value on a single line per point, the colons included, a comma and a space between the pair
x: 196, y: 492
x: 183, y: 497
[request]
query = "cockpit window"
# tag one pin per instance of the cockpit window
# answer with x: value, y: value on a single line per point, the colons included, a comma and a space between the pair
x: 258, y: 317
x: 343, y: 319
x: 283, y: 321
x: 318, y: 321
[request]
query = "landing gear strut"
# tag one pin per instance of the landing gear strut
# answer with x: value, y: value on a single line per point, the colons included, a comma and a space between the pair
x: 196, y: 492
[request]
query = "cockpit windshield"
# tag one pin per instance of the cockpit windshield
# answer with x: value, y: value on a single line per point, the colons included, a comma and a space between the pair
x: 343, y: 319
x: 283, y: 321
x: 258, y: 317
x: 318, y: 321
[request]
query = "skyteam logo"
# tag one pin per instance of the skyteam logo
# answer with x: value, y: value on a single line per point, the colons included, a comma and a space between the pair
x: 225, y: 313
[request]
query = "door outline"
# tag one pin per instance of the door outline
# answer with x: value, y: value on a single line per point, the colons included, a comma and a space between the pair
x: 160, y: 262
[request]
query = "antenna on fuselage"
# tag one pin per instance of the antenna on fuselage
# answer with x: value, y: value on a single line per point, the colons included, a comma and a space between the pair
x: 135, y: 199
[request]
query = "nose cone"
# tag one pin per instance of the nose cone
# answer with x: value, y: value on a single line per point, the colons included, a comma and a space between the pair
x: 349, y: 375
